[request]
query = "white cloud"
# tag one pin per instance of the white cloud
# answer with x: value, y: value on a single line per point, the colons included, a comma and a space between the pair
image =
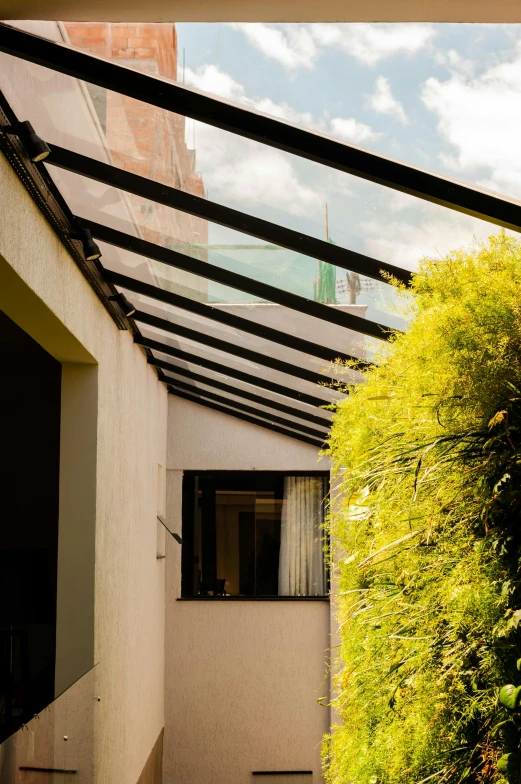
x: 405, y: 243
x: 480, y: 117
x: 265, y: 176
x: 384, y: 102
x: 284, y: 112
x: 293, y: 46
x: 209, y: 79
x: 297, y: 46
x: 352, y: 131
x: 370, y: 43
x: 455, y: 62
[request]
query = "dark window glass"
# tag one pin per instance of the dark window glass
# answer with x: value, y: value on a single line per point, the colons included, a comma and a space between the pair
x: 253, y: 534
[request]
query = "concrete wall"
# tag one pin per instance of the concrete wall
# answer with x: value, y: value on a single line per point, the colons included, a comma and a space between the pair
x: 200, y: 439
x: 242, y: 679
x: 43, y: 291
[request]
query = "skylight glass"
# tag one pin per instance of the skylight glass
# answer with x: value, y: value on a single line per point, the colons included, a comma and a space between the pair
x: 412, y: 92
x: 244, y: 390
x: 272, y: 184
x: 257, y: 371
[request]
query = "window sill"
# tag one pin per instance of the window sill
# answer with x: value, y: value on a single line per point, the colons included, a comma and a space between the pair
x: 253, y: 599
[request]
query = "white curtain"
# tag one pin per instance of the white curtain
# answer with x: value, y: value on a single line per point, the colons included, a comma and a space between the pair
x: 302, y: 569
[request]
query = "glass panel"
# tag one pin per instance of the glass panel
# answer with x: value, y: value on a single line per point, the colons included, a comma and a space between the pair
x: 255, y: 534
x: 267, y: 395
x: 188, y: 386
x: 272, y: 315
x: 417, y: 107
x: 235, y: 172
x: 421, y: 104
x: 231, y: 362
x: 276, y: 266
x: 58, y: 740
x: 239, y: 338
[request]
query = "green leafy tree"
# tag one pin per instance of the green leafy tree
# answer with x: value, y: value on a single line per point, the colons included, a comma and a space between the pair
x: 426, y: 537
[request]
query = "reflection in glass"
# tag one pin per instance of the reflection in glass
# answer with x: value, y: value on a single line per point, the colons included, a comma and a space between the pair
x: 253, y: 534
x: 268, y: 398
x: 59, y: 740
x: 225, y: 167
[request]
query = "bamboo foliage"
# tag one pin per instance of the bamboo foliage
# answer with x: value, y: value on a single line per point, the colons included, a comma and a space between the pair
x: 428, y: 582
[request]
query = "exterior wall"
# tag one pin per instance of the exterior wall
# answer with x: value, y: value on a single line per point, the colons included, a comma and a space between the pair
x: 42, y: 290
x: 242, y: 679
x: 200, y: 439
x: 242, y: 683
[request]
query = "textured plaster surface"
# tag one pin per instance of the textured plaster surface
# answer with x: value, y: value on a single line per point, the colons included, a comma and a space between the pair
x: 242, y: 679
x: 202, y: 439
x: 42, y: 290
x: 242, y: 684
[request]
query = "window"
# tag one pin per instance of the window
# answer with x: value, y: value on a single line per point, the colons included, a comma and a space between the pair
x: 253, y: 533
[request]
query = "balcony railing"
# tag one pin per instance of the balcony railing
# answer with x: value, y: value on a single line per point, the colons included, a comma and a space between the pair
x: 57, y: 745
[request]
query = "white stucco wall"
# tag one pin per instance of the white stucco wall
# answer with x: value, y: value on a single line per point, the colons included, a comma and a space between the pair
x: 200, y: 439
x: 242, y: 679
x: 43, y: 291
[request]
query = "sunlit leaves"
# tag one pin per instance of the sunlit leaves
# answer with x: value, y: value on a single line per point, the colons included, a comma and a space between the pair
x: 427, y: 577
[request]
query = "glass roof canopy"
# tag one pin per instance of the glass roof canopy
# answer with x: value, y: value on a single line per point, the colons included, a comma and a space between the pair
x: 247, y: 324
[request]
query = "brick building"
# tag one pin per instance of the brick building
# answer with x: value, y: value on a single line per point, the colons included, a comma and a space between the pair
x: 144, y: 139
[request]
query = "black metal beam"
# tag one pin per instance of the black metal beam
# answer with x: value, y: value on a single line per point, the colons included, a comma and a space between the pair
x: 239, y: 392
x: 231, y: 348
x: 247, y: 418
x: 225, y: 216
x: 255, y: 381
x: 204, y: 269
x: 190, y: 389
x: 266, y: 130
x: 230, y: 319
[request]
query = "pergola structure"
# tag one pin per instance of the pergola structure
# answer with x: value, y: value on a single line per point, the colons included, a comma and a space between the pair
x: 207, y: 352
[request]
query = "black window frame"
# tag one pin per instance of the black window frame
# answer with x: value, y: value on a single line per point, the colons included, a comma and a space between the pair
x: 187, y: 547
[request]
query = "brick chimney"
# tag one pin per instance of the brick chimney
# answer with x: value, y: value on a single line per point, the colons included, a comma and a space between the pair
x: 141, y: 138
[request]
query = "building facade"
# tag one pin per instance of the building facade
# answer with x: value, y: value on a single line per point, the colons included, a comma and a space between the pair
x: 126, y: 675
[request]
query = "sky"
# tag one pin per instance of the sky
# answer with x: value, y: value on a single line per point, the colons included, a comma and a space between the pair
x: 446, y: 98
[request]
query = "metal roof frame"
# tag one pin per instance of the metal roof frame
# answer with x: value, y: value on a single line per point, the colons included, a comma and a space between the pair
x: 225, y: 216
x: 234, y: 280
x: 266, y: 130
x: 231, y: 348
x: 239, y: 392
x: 218, y: 367
x: 253, y: 125
x: 247, y: 418
x: 190, y: 389
x: 230, y: 319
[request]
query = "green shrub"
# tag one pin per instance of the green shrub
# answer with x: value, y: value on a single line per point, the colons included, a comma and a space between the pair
x: 427, y: 534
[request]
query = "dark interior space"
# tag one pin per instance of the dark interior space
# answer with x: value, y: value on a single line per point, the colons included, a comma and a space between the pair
x: 232, y: 533
x: 234, y: 529
x: 30, y: 390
